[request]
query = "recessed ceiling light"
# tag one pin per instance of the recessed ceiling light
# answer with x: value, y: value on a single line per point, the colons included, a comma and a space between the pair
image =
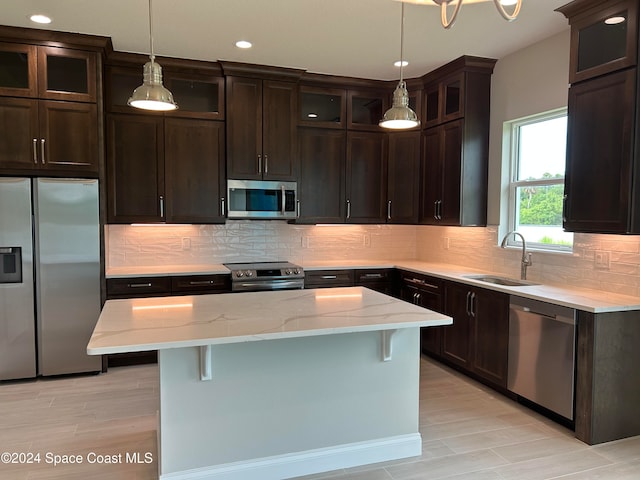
x: 40, y: 18
x: 615, y: 20
x: 404, y: 63
x: 313, y: 115
x: 243, y: 44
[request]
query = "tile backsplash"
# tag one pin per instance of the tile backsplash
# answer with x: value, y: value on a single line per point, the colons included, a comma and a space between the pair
x: 477, y: 248
x: 249, y: 240
x: 473, y: 247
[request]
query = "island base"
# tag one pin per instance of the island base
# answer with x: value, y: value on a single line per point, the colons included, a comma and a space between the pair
x: 282, y: 408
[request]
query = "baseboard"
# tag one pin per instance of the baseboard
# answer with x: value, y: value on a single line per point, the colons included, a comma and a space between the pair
x: 290, y: 465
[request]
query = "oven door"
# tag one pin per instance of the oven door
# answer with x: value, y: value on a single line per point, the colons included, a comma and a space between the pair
x: 261, y: 199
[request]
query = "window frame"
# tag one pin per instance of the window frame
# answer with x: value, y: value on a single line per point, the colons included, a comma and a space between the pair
x: 513, y: 129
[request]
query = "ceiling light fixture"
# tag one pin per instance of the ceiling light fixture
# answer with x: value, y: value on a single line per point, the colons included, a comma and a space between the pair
x: 400, y: 116
x: 38, y: 18
x: 243, y: 44
x: 615, y: 20
x: 456, y: 4
x: 152, y: 95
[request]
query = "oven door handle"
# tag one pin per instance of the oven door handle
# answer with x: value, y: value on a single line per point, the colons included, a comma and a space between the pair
x: 270, y: 285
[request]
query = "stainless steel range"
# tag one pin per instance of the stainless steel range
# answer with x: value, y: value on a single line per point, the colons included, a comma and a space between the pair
x: 252, y: 277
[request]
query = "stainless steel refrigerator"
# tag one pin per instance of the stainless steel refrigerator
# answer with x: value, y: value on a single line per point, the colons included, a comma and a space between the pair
x: 49, y: 276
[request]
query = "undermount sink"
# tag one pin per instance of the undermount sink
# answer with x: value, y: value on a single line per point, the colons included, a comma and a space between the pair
x: 508, y: 282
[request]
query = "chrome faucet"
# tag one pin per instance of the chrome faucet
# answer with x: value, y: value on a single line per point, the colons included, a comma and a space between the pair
x: 526, y: 257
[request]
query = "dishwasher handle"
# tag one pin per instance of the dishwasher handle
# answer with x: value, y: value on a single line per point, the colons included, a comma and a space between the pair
x: 553, y: 312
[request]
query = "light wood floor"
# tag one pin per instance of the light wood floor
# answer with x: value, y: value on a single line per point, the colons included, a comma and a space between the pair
x: 469, y: 433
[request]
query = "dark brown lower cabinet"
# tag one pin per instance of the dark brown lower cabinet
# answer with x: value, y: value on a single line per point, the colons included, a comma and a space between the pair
x: 426, y: 292
x: 380, y: 280
x: 328, y: 278
x: 478, y: 340
x: 143, y: 287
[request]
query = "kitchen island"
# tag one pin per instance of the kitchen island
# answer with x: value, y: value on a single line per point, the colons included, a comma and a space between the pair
x: 270, y: 385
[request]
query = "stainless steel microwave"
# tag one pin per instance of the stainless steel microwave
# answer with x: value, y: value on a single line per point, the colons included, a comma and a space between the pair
x: 262, y: 199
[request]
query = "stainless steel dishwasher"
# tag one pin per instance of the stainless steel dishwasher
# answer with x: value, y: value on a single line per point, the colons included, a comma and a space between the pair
x: 542, y: 354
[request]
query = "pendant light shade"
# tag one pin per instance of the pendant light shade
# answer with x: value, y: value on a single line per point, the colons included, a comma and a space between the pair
x: 152, y: 95
x: 400, y: 116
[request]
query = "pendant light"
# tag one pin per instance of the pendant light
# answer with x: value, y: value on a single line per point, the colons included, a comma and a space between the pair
x: 152, y: 95
x: 400, y: 116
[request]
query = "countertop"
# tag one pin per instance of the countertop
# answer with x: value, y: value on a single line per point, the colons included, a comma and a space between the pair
x: 594, y: 301
x: 189, y: 321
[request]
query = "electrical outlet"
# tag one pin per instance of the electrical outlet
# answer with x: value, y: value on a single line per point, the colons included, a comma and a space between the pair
x: 445, y: 243
x: 366, y: 240
x: 186, y: 243
x: 602, y: 260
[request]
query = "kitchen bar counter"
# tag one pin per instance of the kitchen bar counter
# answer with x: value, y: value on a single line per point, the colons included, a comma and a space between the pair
x: 593, y: 301
x: 277, y: 384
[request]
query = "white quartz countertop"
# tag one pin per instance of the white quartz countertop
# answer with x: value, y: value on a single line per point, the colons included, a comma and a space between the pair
x: 589, y: 300
x: 189, y: 321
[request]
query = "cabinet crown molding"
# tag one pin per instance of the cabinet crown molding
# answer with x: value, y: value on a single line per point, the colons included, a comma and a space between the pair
x: 264, y: 72
x: 465, y: 63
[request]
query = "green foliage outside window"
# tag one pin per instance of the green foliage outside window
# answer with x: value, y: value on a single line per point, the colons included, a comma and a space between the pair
x: 541, y: 205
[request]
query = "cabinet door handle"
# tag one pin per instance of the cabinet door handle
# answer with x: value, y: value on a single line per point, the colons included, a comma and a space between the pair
x: 260, y: 164
x: 389, y: 210
x: 468, y: 308
x: 42, y: 150
x: 439, y: 209
x: 564, y: 208
x: 435, y: 209
x: 266, y: 164
x: 472, y: 305
x: 348, y: 209
x: 415, y: 296
x: 297, y: 208
x: 418, y: 295
x: 372, y: 275
x: 222, y: 206
x: 138, y: 285
x: 161, y: 206
x: 35, y: 151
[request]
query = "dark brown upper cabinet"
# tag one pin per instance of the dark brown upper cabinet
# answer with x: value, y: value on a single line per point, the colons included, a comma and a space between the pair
x: 366, y: 177
x: 197, y: 89
x: 321, y: 186
x: 455, y: 148
x: 601, y: 177
x: 261, y: 129
x: 164, y: 169
x: 365, y: 109
x: 604, y: 36
x: 403, y: 177
x: 52, y: 73
x: 322, y: 107
x: 48, y: 136
x: 444, y: 100
x: 602, y: 174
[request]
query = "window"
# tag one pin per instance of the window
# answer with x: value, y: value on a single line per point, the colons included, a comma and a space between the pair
x: 536, y: 188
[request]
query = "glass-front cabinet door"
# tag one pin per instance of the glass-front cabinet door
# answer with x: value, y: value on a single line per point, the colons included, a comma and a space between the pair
x: 322, y: 107
x: 18, y: 70
x: 604, y: 41
x: 365, y: 109
x: 197, y: 96
x: 47, y: 72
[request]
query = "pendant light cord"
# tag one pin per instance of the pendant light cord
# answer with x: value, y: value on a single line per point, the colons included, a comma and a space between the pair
x: 151, y: 56
x: 401, y: 43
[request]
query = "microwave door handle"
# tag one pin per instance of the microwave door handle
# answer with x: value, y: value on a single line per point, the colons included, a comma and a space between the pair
x: 283, y: 199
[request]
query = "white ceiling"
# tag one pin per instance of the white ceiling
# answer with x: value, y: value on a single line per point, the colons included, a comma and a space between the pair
x: 358, y: 38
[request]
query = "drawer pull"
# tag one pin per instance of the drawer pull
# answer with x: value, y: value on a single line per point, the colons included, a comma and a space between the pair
x: 138, y: 285
x: 421, y: 282
x: 202, y: 282
x: 372, y: 275
x: 329, y: 277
